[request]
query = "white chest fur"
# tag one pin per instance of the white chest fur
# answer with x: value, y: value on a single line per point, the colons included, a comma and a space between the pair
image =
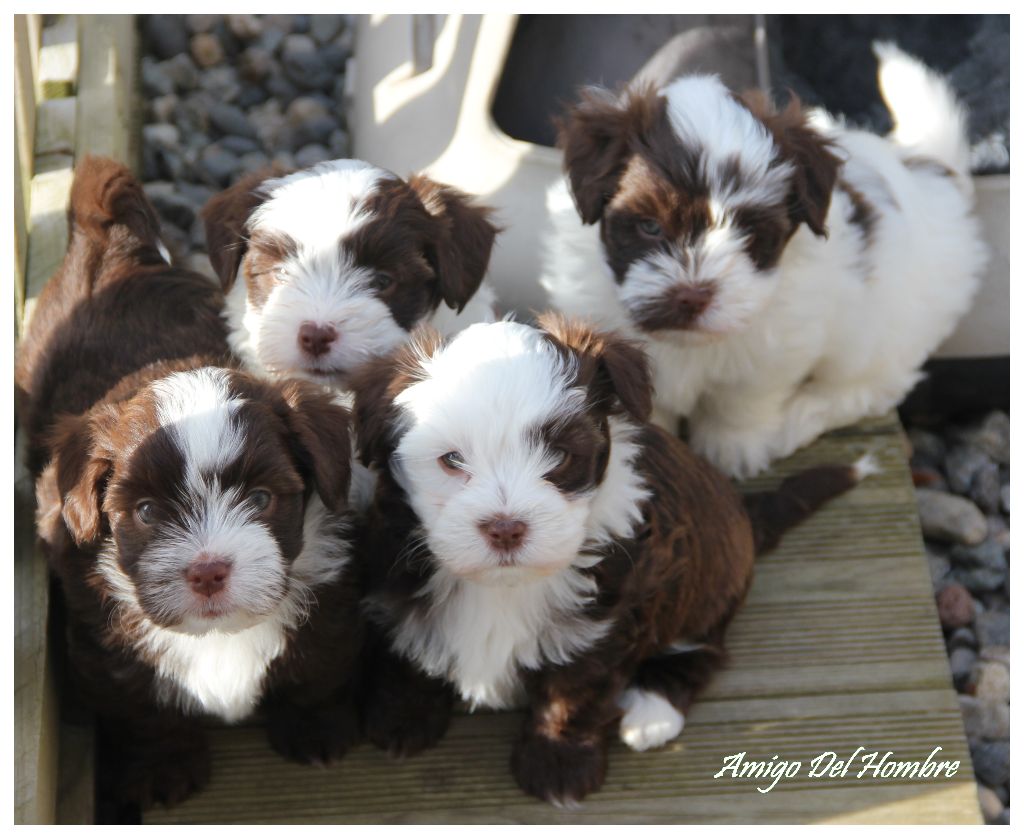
x: 479, y: 636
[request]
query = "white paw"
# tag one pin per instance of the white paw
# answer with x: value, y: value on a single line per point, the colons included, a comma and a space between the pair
x: 649, y: 721
x: 740, y: 453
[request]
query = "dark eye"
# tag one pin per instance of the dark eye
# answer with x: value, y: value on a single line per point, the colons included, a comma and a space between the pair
x: 452, y: 463
x: 145, y: 511
x: 382, y: 281
x: 649, y: 227
x: 259, y: 499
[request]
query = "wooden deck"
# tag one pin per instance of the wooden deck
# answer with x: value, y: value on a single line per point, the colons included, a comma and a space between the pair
x: 837, y: 647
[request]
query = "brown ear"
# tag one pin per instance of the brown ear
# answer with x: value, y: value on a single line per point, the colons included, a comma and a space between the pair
x: 462, y: 250
x: 615, y: 368
x: 226, y: 215
x: 377, y: 383
x: 319, y: 429
x: 816, y: 168
x: 595, y: 137
x: 82, y: 464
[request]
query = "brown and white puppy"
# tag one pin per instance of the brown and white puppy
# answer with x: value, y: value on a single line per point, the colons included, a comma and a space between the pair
x: 786, y: 274
x: 330, y: 266
x: 534, y: 540
x: 195, y: 515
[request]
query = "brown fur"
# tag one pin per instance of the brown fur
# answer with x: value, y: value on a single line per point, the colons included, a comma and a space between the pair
x: 681, y: 575
x: 114, y: 319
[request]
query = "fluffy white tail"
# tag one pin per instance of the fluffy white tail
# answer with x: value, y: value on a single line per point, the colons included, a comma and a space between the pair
x: 927, y: 118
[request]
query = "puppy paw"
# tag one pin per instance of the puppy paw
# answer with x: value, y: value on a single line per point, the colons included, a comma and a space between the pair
x: 166, y: 778
x: 406, y: 729
x: 560, y: 772
x: 317, y: 736
x: 740, y: 453
x: 649, y: 720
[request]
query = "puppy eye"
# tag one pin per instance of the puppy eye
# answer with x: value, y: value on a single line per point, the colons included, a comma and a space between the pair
x: 452, y: 463
x: 259, y: 499
x: 382, y: 281
x: 649, y: 227
x: 559, y: 456
x: 145, y: 512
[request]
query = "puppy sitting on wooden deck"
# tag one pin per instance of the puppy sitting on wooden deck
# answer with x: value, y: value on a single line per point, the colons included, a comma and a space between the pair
x: 534, y: 540
x: 194, y: 515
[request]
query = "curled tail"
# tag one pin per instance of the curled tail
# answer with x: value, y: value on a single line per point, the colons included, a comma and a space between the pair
x: 928, y: 120
x: 110, y: 216
x: 775, y: 511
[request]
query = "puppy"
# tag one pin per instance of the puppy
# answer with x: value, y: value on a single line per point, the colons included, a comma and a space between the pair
x: 533, y: 540
x: 786, y: 274
x: 333, y: 265
x: 194, y: 515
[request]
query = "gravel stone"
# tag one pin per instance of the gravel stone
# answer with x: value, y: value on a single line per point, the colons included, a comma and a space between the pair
x: 281, y: 89
x: 230, y: 119
x: 962, y: 637
x: 993, y: 629
x: 162, y: 135
x: 218, y: 165
x: 182, y: 71
x: 980, y: 567
x: 311, y: 155
x: 986, y: 488
x: 335, y: 56
x: 239, y: 145
x: 984, y: 719
x: 991, y: 762
x: 992, y: 437
x: 174, y: 208
x: 245, y: 27
x: 221, y: 83
x: 991, y: 806
x: 955, y: 606
x: 207, y: 49
x: 165, y: 35
x: 338, y: 144
x: 201, y: 23
x: 255, y: 63
x: 324, y: 28
x: 929, y: 449
x: 1005, y: 498
x: 996, y: 652
x: 962, y: 465
x: 949, y: 518
x: 254, y: 162
x: 155, y: 81
x: 940, y: 567
x: 250, y: 95
x: 991, y: 680
x: 961, y: 665
x: 162, y: 108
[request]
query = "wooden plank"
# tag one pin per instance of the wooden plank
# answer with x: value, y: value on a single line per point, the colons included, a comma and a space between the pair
x: 48, y: 230
x: 55, y: 133
x: 26, y: 90
x: 838, y: 647
x: 58, y: 58
x: 106, y: 87
x: 76, y: 784
x: 35, y: 705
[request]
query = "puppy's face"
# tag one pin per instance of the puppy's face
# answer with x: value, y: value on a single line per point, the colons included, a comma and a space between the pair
x: 341, y: 261
x: 202, y: 482
x: 697, y: 193
x: 500, y: 439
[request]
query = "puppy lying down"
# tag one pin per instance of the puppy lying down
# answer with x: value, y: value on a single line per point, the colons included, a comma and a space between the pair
x: 535, y: 541
x: 194, y: 515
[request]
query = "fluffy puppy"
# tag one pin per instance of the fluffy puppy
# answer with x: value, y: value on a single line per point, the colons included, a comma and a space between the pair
x: 787, y: 275
x: 330, y: 266
x: 193, y: 514
x: 534, y: 541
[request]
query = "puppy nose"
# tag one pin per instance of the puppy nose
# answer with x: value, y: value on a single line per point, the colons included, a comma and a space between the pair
x: 504, y: 533
x: 691, y: 301
x: 208, y: 574
x: 315, y: 339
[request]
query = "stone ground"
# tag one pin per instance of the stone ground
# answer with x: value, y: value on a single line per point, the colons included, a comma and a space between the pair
x: 228, y: 94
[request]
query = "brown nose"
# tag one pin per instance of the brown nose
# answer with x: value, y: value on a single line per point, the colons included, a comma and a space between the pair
x: 503, y: 533
x: 689, y: 302
x: 315, y: 339
x: 208, y: 574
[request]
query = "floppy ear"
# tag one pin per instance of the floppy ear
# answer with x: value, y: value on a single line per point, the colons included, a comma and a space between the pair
x: 81, y: 464
x: 377, y: 383
x: 319, y: 429
x: 226, y: 215
x: 594, y: 136
x: 614, y: 368
x: 815, y: 166
x: 462, y: 249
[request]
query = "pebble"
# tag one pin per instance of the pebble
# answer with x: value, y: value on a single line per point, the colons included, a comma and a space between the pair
x: 928, y: 478
x: 245, y: 27
x: 991, y: 680
x: 955, y: 606
x: 162, y: 135
x: 993, y: 629
x: 218, y: 165
x: 995, y: 652
x: 155, y: 81
x: 962, y: 465
x: 182, y: 72
x: 928, y: 448
x: 207, y: 49
x: 1005, y: 498
x: 254, y: 161
x: 239, y: 145
x: 992, y: 437
x: 162, y: 108
x: 325, y: 28
x: 979, y: 567
x: 230, y: 119
x: 201, y: 23
x: 311, y: 155
x: 939, y: 567
x: 166, y: 35
x: 961, y: 665
x: 991, y: 806
x: 338, y: 144
x: 250, y: 95
x: 174, y: 208
x: 335, y: 56
x: 991, y: 761
x: 221, y: 83
x: 984, y: 719
x: 986, y: 489
x: 963, y: 637
x: 255, y: 64
x: 949, y: 518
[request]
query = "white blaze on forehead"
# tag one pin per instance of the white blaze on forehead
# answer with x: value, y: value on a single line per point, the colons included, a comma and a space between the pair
x: 198, y: 409
x: 318, y: 205
x: 705, y: 117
